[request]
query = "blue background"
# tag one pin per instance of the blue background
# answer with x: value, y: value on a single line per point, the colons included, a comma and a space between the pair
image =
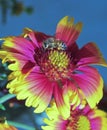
x: 47, y: 13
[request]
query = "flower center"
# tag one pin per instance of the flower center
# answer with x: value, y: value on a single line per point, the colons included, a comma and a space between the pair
x: 59, y: 60
x: 78, y: 122
x: 55, y: 61
x: 83, y: 123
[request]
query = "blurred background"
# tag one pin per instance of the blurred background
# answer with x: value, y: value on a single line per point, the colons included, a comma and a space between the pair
x: 43, y: 16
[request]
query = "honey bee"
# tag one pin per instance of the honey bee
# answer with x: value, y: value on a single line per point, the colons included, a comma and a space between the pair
x: 52, y: 43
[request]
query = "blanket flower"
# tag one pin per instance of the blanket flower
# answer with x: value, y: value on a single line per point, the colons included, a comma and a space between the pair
x: 45, y: 67
x: 81, y: 118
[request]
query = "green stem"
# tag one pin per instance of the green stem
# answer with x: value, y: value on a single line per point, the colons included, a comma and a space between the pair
x: 6, y: 97
x: 20, y: 125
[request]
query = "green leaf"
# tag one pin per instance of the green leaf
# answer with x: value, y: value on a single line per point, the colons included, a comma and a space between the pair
x: 3, y: 77
x: 2, y: 107
x: 6, y: 98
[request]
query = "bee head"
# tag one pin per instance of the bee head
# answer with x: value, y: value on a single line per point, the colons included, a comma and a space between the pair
x: 52, y: 43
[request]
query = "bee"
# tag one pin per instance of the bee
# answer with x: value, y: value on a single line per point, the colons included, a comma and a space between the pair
x: 51, y: 43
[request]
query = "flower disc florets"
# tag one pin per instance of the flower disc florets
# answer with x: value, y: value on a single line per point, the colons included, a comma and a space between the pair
x: 77, y: 120
x: 54, y: 60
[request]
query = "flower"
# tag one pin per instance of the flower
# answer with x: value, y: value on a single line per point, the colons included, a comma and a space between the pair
x: 81, y: 118
x: 45, y: 67
x: 4, y: 125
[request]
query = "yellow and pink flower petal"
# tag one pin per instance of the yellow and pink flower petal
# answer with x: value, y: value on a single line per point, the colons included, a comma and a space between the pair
x: 36, y: 37
x: 91, y: 84
x: 35, y: 88
x: 16, y: 52
x: 90, y: 54
x: 67, y: 31
x: 61, y: 97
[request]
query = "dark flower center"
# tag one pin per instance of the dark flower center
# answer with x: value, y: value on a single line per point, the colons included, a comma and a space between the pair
x: 54, y: 60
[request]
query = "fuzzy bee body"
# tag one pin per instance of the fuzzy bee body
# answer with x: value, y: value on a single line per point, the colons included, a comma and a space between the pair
x: 52, y: 43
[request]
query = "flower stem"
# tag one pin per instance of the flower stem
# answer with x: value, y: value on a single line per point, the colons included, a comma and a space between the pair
x: 20, y: 125
x: 6, y: 97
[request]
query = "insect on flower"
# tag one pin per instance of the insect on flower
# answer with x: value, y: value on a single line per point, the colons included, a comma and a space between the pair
x: 46, y: 67
x: 52, y: 43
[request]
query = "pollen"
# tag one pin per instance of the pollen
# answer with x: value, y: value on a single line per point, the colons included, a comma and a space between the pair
x: 83, y: 123
x: 78, y: 123
x: 59, y: 59
x: 55, y: 64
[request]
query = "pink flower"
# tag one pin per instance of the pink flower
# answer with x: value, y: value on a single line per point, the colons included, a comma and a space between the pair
x: 81, y: 118
x: 46, y: 67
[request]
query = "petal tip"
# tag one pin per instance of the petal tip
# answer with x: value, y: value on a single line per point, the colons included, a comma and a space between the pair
x: 66, y: 20
x: 78, y: 26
